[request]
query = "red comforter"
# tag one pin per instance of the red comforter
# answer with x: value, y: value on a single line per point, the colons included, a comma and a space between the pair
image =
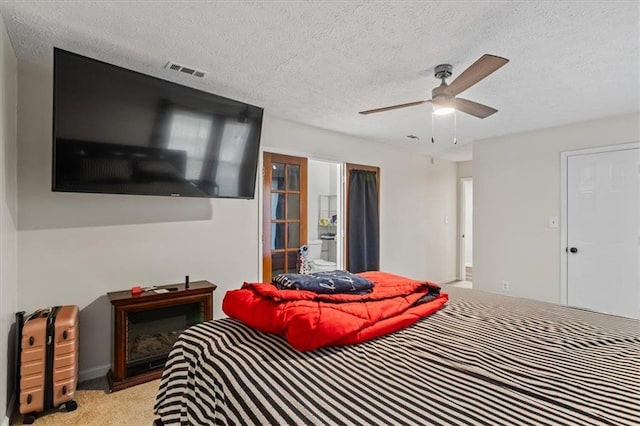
x: 310, y: 321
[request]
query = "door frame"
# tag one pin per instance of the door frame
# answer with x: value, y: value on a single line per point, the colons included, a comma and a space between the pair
x: 265, y: 233
x: 564, y: 201
x: 260, y: 197
x: 461, y: 214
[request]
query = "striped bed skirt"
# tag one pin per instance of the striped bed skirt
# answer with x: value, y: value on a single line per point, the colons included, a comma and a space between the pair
x: 483, y: 359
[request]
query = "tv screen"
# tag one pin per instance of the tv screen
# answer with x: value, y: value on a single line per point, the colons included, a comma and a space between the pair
x: 123, y: 132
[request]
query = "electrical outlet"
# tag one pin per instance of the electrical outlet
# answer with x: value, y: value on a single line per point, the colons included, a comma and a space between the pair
x: 505, y: 285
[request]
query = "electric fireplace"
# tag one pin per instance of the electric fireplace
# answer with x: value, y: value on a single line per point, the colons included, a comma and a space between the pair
x: 146, y: 326
x: 152, y: 333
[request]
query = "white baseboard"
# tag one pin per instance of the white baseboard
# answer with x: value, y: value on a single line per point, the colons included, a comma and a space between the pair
x: 93, y: 373
x: 447, y: 280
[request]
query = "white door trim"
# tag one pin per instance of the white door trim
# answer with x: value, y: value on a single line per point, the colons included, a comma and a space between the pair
x: 461, y: 225
x: 564, y: 158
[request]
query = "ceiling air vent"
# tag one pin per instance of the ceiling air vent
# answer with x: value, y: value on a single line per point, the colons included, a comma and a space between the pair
x: 187, y: 70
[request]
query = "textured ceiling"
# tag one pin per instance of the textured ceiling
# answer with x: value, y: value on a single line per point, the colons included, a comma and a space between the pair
x: 319, y: 63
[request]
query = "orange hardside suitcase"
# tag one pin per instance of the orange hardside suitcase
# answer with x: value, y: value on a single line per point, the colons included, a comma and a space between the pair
x: 48, y: 361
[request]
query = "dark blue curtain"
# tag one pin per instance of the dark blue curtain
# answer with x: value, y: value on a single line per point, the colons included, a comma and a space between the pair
x: 364, y: 226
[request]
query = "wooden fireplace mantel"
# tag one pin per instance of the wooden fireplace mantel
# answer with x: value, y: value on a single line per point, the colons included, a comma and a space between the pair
x: 124, y: 302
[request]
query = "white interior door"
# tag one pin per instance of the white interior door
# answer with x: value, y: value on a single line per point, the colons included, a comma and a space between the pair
x: 603, y: 231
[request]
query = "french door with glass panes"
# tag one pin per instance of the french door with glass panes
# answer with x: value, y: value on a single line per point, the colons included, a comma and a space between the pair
x: 284, y: 215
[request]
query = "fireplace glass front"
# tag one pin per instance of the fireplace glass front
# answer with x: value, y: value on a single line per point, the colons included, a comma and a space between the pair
x: 152, y: 333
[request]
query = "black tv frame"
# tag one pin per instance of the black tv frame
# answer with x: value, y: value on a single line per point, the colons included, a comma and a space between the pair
x: 164, y: 81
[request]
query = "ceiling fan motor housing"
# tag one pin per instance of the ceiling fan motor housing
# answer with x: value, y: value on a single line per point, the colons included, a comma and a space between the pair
x: 443, y: 71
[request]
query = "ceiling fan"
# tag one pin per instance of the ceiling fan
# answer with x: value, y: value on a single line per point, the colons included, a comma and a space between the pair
x: 444, y: 97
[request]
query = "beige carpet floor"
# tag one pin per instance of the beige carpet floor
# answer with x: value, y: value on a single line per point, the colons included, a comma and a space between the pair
x: 96, y: 406
x: 461, y: 284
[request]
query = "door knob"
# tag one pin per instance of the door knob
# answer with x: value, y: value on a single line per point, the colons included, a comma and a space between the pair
x: 573, y: 249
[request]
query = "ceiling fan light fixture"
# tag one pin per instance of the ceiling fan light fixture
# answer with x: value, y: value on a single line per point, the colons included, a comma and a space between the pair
x: 443, y: 103
x: 445, y: 110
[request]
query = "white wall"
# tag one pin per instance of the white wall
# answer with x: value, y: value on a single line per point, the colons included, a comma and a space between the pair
x: 465, y: 169
x: 516, y: 188
x: 8, y: 216
x: 73, y: 248
x: 415, y: 195
x: 439, y: 228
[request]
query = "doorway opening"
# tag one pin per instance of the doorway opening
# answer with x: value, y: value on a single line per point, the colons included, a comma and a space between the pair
x: 325, y: 215
x: 362, y: 212
x: 466, y: 230
x: 305, y: 202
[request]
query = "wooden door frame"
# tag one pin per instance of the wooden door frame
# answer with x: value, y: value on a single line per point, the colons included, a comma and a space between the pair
x: 266, y: 206
x: 348, y: 168
x: 564, y: 202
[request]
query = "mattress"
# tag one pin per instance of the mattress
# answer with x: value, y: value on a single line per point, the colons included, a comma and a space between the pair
x: 482, y: 359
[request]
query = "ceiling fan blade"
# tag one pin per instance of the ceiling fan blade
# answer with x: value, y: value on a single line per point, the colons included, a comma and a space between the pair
x: 389, y: 108
x: 474, y: 108
x: 480, y: 69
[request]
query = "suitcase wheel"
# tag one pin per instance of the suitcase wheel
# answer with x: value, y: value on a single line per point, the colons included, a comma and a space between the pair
x: 28, y: 419
x: 70, y: 406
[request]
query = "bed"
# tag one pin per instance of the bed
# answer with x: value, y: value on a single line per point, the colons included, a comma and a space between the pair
x: 482, y: 359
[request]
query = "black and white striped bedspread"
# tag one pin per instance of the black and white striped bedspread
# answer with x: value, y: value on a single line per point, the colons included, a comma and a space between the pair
x: 482, y: 359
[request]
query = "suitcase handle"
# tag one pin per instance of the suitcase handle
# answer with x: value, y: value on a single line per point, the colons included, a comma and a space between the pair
x: 34, y: 315
x: 40, y: 313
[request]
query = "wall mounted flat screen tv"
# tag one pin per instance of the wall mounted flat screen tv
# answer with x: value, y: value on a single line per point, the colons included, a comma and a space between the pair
x: 122, y: 132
